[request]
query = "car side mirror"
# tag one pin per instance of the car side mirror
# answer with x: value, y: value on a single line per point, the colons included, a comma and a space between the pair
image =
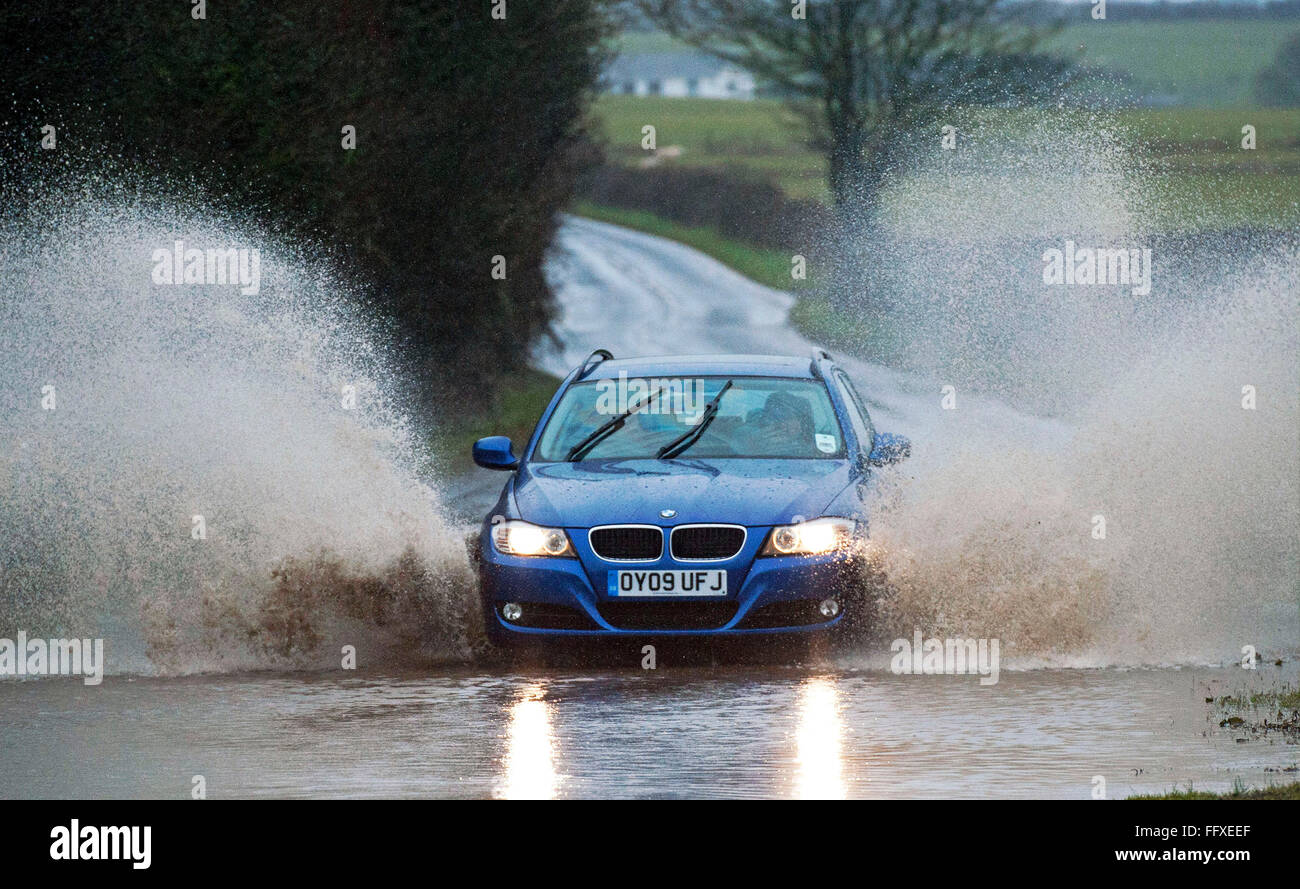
x: 889, y: 448
x: 495, y: 452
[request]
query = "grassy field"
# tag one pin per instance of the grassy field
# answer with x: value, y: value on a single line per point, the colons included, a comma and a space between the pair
x: 760, y: 137
x: 1204, y: 64
x: 1200, y: 63
x: 1277, y: 791
x: 1190, y: 160
x: 1189, y: 169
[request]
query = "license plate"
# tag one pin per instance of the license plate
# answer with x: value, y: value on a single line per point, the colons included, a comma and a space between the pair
x: 712, y: 582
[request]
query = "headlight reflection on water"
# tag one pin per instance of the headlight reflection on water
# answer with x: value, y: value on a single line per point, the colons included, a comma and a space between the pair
x: 530, y: 751
x: 819, y: 739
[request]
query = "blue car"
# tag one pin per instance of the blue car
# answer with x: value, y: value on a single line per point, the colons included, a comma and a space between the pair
x: 691, y: 496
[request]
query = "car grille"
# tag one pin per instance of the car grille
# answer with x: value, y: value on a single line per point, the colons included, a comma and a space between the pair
x: 699, y: 542
x: 627, y: 543
x: 667, y: 615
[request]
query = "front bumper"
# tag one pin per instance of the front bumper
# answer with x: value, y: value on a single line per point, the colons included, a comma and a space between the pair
x: 569, y: 596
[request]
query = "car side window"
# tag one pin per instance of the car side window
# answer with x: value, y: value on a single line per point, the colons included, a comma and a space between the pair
x: 857, y: 413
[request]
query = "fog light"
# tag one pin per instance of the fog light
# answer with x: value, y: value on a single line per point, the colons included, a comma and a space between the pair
x: 512, y: 611
x: 829, y: 608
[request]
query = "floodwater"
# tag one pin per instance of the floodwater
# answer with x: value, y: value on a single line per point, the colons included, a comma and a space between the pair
x: 225, y: 491
x: 707, y: 731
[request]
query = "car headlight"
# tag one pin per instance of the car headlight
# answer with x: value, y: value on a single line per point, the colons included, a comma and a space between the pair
x: 811, y: 538
x: 519, y: 538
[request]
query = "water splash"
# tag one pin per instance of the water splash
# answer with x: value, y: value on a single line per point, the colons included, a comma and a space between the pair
x: 172, y: 402
x: 989, y: 530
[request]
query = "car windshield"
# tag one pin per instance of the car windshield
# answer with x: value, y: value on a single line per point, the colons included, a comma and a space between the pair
x: 765, y: 417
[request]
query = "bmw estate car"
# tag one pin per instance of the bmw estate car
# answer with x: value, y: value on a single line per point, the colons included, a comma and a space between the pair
x: 697, y: 495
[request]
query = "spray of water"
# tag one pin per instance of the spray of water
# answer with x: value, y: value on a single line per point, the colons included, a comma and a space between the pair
x: 992, y: 529
x: 129, y: 408
x: 174, y: 401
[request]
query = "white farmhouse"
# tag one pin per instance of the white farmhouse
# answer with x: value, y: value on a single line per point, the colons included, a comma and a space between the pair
x: 678, y: 75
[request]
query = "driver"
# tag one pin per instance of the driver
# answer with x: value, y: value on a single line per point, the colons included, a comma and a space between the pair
x: 783, y: 427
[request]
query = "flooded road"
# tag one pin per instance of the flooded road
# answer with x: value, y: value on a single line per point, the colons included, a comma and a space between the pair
x: 213, y: 518
x: 731, y: 731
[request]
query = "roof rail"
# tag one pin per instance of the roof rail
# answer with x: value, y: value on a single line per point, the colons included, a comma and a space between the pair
x: 588, y: 365
x: 817, y: 355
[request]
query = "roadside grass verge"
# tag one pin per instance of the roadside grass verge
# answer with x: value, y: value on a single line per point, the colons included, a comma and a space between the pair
x: 1286, y: 699
x: 818, y: 320
x: 768, y: 267
x: 812, y: 314
x: 1276, y: 791
x: 514, y: 413
x: 1260, y: 714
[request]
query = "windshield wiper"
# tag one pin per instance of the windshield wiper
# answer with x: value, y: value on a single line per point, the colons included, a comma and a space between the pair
x: 608, y: 428
x: 691, y: 436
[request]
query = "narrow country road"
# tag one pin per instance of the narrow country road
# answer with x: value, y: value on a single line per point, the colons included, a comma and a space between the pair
x: 637, y: 295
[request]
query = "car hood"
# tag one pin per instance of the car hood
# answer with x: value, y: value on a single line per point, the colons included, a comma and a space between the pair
x: 738, y: 491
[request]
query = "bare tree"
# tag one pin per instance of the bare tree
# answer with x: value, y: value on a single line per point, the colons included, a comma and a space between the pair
x: 873, y: 72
